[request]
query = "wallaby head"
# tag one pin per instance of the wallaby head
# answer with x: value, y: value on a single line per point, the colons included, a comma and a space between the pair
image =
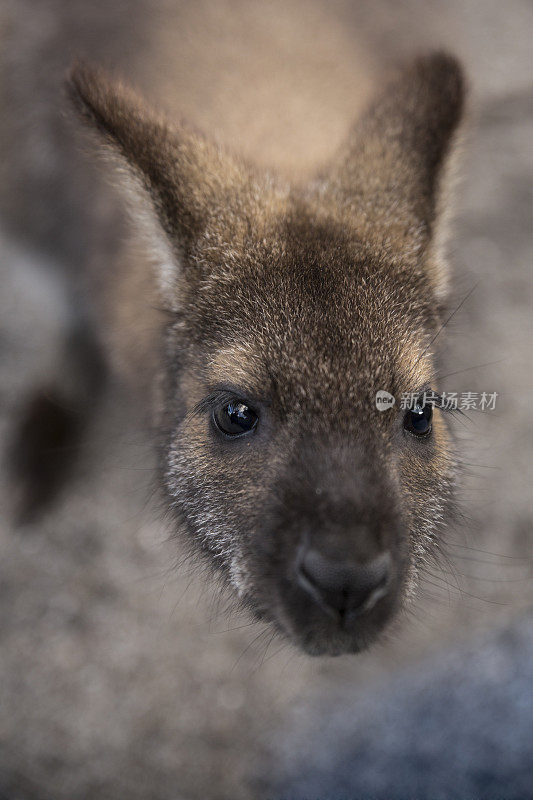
x: 291, y: 306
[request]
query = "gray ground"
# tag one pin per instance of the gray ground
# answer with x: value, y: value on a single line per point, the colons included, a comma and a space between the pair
x: 120, y: 676
x: 458, y: 726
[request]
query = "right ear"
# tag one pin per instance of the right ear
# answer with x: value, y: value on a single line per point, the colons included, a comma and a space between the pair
x: 390, y: 175
x: 186, y: 179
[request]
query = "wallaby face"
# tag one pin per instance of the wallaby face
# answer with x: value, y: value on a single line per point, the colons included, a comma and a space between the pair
x: 291, y: 309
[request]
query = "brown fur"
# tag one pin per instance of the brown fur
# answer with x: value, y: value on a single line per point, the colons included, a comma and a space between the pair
x: 304, y: 300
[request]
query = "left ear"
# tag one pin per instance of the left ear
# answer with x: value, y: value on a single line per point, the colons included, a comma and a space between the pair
x: 390, y: 177
x: 186, y: 179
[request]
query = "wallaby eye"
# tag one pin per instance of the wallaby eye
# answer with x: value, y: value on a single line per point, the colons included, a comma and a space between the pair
x: 235, y: 418
x: 417, y: 420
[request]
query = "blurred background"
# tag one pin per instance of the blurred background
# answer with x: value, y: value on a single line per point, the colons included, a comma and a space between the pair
x: 123, y: 672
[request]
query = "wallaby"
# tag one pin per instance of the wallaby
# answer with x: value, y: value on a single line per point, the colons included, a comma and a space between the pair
x: 262, y: 315
x: 289, y: 307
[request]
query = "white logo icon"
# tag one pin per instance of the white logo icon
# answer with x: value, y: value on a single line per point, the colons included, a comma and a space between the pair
x: 384, y: 400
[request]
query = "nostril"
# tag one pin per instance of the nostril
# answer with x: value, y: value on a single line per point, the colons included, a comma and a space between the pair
x: 344, y: 587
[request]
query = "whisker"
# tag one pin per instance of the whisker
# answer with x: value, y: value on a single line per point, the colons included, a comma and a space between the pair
x: 477, y: 597
x: 442, y: 327
x: 266, y: 650
x: 249, y: 645
x: 486, y: 561
x: 236, y: 628
x: 488, y: 552
x: 469, y: 369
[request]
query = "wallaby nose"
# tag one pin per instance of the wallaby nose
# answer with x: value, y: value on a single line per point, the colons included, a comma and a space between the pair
x: 344, y: 587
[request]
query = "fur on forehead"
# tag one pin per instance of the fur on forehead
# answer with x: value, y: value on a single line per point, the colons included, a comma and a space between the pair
x: 310, y: 305
x: 307, y: 262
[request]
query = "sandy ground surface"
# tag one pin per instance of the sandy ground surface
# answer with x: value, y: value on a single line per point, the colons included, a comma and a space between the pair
x: 123, y: 675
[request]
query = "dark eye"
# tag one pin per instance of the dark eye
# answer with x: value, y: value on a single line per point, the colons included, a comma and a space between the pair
x: 417, y: 420
x: 235, y: 418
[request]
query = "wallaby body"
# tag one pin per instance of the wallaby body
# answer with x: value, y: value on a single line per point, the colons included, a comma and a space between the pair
x: 288, y: 305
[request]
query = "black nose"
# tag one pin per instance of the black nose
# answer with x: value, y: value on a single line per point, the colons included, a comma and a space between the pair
x: 344, y: 587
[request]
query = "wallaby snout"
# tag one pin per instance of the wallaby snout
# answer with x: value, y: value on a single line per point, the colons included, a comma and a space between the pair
x: 332, y: 555
x: 345, y: 588
x: 353, y: 595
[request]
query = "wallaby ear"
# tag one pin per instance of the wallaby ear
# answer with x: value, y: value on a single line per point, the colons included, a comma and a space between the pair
x: 187, y: 179
x: 390, y: 175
